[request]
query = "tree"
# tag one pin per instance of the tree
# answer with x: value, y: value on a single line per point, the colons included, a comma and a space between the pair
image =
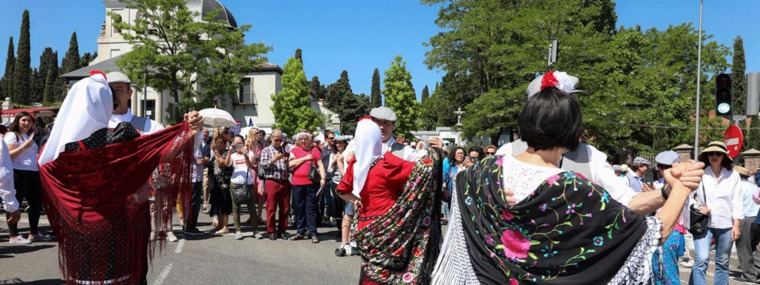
x: 179, y: 54
x: 52, y: 82
x: 87, y: 58
x: 71, y: 60
x: 10, y: 62
x: 316, y: 90
x: 22, y: 69
x: 292, y: 107
x: 738, y: 76
x: 349, y: 106
x: 425, y: 94
x: 400, y: 97
x: 299, y: 55
x: 377, y: 98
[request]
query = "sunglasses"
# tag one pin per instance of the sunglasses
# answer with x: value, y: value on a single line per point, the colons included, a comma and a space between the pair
x: 714, y: 154
x: 663, y: 166
x: 490, y: 153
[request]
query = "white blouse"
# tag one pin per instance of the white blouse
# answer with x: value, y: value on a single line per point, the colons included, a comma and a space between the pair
x: 723, y: 197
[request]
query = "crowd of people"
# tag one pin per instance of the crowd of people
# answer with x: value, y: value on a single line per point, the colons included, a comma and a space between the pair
x: 546, y: 208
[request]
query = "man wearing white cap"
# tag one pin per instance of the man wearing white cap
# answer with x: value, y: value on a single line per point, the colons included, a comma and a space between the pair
x: 386, y: 119
x: 636, y: 178
x: 122, y: 89
x: 588, y: 160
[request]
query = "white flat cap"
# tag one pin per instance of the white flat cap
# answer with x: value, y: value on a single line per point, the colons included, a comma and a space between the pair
x: 117, y: 77
x: 383, y: 113
x: 667, y: 157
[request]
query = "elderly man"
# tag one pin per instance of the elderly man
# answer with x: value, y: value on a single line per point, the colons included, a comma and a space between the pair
x: 746, y: 245
x: 636, y: 178
x: 274, y: 162
x: 592, y: 163
x: 386, y: 119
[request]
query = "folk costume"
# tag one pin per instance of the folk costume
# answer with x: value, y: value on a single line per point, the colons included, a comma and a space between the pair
x: 96, y: 186
x: 398, y: 233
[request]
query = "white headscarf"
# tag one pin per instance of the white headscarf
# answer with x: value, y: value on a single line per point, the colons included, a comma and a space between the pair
x: 86, y: 109
x: 367, y: 147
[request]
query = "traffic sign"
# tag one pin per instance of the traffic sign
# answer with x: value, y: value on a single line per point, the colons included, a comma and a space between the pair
x: 734, y: 139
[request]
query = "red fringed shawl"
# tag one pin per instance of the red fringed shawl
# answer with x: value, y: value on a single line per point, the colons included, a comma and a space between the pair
x: 97, y: 202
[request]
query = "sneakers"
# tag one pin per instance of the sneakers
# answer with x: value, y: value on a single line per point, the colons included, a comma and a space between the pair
x: 170, y: 236
x: 341, y: 251
x: 258, y: 236
x: 314, y: 238
x: 297, y: 237
x: 238, y: 235
x: 19, y: 240
x: 39, y: 237
x: 222, y: 231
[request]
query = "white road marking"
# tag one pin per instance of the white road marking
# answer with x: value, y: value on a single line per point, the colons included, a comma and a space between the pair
x: 180, y: 244
x: 164, y: 274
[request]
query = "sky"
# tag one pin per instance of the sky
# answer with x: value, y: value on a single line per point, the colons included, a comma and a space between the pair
x: 359, y: 36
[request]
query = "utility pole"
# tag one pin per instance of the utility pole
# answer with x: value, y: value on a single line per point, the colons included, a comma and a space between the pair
x: 699, y: 83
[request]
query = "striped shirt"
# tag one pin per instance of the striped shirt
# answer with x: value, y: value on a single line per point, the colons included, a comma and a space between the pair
x: 276, y: 171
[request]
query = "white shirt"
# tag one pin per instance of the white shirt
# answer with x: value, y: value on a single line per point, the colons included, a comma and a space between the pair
x: 408, y: 153
x: 198, y: 154
x: 749, y: 206
x: 635, y: 181
x: 7, y: 189
x: 240, y: 172
x: 150, y: 127
x: 601, y: 173
x: 524, y: 178
x: 723, y: 197
x: 27, y: 159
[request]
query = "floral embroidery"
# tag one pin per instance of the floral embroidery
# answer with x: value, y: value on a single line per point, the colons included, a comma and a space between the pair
x: 515, y: 244
x: 598, y: 241
x: 506, y: 215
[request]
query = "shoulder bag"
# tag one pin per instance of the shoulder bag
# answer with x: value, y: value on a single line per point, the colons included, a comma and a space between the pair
x: 698, y: 224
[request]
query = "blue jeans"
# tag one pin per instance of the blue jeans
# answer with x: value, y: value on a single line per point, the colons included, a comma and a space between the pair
x: 723, y: 242
x: 305, y: 202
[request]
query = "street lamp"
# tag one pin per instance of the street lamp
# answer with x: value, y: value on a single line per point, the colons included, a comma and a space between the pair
x: 699, y: 82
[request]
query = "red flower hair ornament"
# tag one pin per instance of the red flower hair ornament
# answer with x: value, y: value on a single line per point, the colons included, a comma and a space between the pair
x: 557, y: 79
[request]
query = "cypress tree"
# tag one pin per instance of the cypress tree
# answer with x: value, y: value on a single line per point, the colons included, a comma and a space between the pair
x: 10, y: 62
x: 71, y: 59
x: 51, y: 78
x: 738, y: 76
x: 86, y: 59
x: 425, y: 94
x: 376, y: 98
x: 299, y: 55
x: 315, y: 89
x: 22, y: 70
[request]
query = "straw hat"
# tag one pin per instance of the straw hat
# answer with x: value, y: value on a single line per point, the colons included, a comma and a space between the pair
x: 715, y: 146
x: 742, y: 171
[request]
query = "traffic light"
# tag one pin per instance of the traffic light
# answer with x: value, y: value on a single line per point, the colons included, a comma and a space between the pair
x: 723, y: 94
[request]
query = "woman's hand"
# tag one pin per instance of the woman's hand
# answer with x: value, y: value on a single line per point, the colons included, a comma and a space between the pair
x: 357, y: 204
x: 704, y: 210
x: 195, y: 120
x: 687, y: 174
x: 736, y: 232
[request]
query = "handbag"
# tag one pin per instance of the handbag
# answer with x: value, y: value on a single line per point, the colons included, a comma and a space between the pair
x: 698, y: 223
x: 239, y: 192
x: 314, y: 176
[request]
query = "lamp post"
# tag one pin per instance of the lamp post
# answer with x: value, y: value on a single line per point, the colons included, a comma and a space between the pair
x: 699, y: 82
x: 145, y: 93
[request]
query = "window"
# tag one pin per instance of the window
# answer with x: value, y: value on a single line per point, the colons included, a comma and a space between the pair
x: 246, y: 94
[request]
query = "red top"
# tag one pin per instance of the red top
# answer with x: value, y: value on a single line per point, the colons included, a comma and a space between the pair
x: 301, y: 172
x: 385, y: 182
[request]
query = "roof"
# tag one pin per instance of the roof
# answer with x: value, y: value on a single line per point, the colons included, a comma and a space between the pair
x: 683, y: 146
x: 105, y: 66
x: 751, y: 152
x: 205, y: 7
x: 268, y: 67
x: 32, y: 110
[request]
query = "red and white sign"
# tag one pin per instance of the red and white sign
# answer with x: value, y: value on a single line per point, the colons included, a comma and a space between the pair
x: 734, y: 139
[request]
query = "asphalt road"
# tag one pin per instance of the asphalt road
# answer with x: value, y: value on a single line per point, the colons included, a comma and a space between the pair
x: 214, y: 259
x: 207, y: 259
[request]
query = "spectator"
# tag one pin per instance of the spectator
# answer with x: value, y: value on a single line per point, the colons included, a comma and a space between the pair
x: 219, y: 183
x: 201, y: 157
x: 337, y: 168
x: 746, y: 246
x: 325, y: 194
x: 277, y: 187
x: 665, y: 259
x: 719, y: 196
x: 476, y: 154
x: 8, y: 192
x: 241, y: 178
x: 490, y: 150
x: 305, y: 188
x: 26, y: 173
x: 636, y: 177
x: 254, y: 142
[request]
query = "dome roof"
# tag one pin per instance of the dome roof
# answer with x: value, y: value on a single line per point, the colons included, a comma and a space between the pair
x: 205, y: 7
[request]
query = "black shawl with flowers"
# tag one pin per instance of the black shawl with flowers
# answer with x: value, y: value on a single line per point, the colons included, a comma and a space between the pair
x: 568, y: 231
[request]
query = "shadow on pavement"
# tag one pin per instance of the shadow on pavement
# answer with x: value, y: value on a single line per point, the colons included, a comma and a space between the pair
x: 8, y: 251
x: 37, y: 282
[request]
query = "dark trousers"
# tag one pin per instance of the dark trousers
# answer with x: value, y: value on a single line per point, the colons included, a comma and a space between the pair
x: 749, y: 257
x: 278, y: 196
x: 27, y: 185
x: 191, y: 221
x: 305, y: 200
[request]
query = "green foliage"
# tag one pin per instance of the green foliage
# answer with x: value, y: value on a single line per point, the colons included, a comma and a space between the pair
x: 739, y: 78
x: 10, y: 62
x: 299, y: 55
x: 425, y: 94
x: 377, y: 98
x: 178, y: 54
x: 640, y: 84
x: 316, y: 90
x: 292, y: 107
x: 71, y: 59
x: 349, y: 106
x: 22, y: 88
x: 400, y: 97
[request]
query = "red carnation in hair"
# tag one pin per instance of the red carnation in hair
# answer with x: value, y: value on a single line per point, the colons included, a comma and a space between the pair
x: 548, y: 80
